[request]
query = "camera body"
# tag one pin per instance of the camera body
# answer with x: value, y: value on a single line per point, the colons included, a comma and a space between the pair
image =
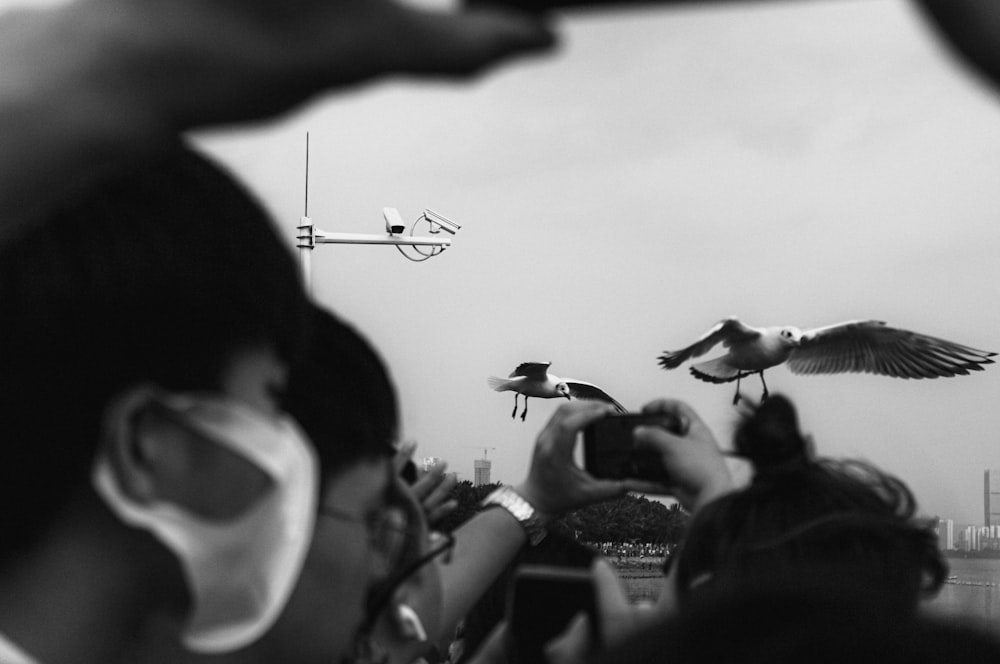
x: 541, y: 602
x: 439, y: 222
x: 609, y: 450
x: 393, y: 221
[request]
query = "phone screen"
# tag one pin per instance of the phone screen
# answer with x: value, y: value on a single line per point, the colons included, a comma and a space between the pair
x: 541, y: 601
x: 609, y: 449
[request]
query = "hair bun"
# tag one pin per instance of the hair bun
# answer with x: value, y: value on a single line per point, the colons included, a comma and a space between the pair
x: 769, y: 437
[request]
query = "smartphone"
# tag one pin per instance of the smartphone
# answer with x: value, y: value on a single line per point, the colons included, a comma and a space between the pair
x: 609, y: 448
x: 541, y: 601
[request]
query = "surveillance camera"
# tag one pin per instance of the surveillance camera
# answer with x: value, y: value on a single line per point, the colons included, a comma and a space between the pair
x: 393, y: 222
x: 439, y: 222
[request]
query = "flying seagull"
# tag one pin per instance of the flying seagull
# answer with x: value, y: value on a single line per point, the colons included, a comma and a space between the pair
x: 532, y: 379
x: 859, y: 346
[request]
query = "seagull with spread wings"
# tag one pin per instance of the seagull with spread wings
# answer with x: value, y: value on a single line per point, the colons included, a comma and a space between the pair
x: 532, y: 379
x: 860, y: 346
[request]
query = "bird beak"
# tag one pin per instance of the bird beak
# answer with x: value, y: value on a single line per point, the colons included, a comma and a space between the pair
x: 568, y: 397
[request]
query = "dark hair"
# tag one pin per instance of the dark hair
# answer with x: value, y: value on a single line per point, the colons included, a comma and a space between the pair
x: 342, y: 396
x: 154, y: 274
x: 845, y: 521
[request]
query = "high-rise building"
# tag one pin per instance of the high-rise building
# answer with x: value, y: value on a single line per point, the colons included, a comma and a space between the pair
x: 991, y: 497
x: 481, y: 468
x: 946, y: 534
x: 971, y: 539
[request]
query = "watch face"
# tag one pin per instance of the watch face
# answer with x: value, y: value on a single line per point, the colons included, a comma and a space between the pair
x: 521, y: 510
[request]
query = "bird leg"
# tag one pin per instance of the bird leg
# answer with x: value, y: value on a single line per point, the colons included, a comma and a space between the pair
x: 513, y: 413
x: 524, y: 413
x: 736, y: 397
x: 763, y: 397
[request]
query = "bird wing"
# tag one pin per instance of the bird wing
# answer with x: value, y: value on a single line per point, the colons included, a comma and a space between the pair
x: 726, y: 331
x: 871, y: 346
x: 584, y: 390
x: 535, y: 370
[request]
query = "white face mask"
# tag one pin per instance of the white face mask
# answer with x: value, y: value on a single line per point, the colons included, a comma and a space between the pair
x: 241, y: 571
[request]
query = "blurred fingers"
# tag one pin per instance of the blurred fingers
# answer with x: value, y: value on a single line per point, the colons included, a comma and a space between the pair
x: 617, y: 615
x: 440, y: 512
x: 572, y: 645
x: 467, y: 42
x: 685, y: 414
x: 441, y: 489
x: 570, y: 418
x: 404, y: 453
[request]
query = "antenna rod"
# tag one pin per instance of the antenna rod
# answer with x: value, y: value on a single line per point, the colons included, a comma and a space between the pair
x: 307, y: 175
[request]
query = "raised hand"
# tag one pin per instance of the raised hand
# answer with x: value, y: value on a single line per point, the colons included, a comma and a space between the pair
x: 695, y: 465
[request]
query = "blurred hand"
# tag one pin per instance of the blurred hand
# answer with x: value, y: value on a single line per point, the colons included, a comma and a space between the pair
x: 619, y: 619
x: 697, y: 470
x: 555, y: 484
x: 230, y: 60
x: 432, y: 490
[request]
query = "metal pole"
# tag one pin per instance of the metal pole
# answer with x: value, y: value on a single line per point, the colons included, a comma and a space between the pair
x: 305, y: 241
x: 306, y: 234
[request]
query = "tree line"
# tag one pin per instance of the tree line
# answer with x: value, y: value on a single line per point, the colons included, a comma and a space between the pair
x: 629, y: 518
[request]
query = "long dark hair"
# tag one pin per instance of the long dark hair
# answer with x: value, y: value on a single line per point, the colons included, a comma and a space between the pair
x: 806, y: 518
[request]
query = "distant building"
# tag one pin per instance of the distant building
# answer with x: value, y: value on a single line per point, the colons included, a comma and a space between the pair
x: 980, y: 538
x: 481, y: 468
x: 970, y: 541
x: 429, y: 462
x: 946, y: 534
x: 991, y: 497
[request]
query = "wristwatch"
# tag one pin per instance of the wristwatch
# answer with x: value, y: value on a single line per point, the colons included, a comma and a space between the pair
x: 520, y: 509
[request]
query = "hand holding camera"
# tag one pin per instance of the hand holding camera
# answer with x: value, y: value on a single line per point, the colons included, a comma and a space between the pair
x: 668, y: 447
x: 555, y: 483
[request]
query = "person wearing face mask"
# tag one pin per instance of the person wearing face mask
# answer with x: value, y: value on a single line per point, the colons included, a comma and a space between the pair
x: 150, y: 478
x: 341, y: 394
x: 368, y: 530
x: 376, y: 584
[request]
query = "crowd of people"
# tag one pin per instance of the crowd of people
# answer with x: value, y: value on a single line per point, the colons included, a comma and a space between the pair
x: 633, y: 552
x: 200, y: 463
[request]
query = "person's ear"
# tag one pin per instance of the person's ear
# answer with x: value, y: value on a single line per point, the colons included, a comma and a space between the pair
x: 155, y: 455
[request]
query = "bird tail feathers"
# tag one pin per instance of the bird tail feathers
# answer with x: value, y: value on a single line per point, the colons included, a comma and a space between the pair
x: 498, y: 384
x: 716, y: 371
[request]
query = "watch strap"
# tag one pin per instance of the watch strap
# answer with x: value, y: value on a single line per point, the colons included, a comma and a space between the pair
x: 525, y: 513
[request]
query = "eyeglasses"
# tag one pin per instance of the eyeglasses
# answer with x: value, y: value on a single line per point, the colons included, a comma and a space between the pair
x: 392, y: 536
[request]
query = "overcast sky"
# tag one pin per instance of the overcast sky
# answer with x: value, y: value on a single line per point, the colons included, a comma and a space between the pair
x: 791, y: 163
